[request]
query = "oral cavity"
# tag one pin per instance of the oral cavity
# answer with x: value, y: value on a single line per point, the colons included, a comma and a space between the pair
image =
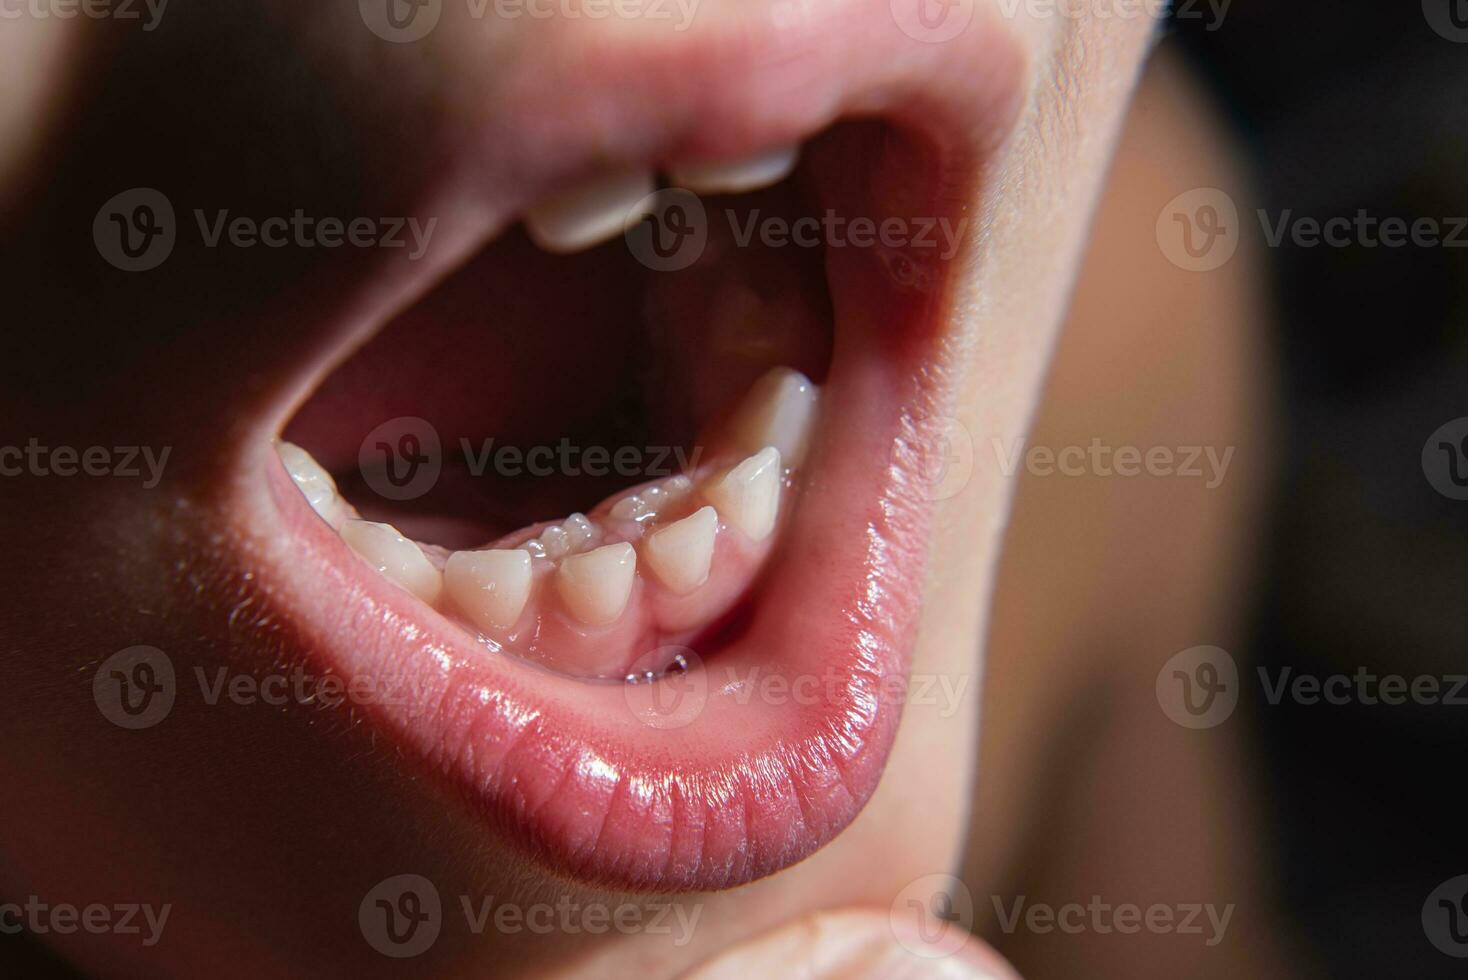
x: 649, y: 568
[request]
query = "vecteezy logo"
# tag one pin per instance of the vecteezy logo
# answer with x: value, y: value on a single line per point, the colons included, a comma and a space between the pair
x: 1199, y: 230
x: 667, y: 230
x: 1445, y: 459
x: 135, y: 230
x: 667, y: 688
x: 400, y: 21
x: 932, y: 916
x: 1445, y: 917
x: 932, y: 21
x: 401, y: 916
x: 401, y: 459
x: 1199, y: 687
x: 134, y: 688
x: 940, y: 452
x: 1449, y: 18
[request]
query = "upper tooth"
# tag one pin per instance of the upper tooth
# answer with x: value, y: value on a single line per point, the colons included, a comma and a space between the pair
x: 681, y: 553
x: 589, y: 214
x: 311, y: 478
x: 491, y: 587
x: 596, y: 585
x: 778, y: 411
x: 737, y: 176
x: 748, y: 496
x: 394, y: 556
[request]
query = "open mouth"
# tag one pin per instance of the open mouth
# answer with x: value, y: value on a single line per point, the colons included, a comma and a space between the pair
x: 630, y: 544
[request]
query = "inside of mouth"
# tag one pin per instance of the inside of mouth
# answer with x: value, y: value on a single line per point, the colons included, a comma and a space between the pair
x: 554, y: 383
x: 537, y: 370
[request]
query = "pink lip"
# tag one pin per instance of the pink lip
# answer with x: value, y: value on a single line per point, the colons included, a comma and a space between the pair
x: 753, y: 776
x: 715, y: 789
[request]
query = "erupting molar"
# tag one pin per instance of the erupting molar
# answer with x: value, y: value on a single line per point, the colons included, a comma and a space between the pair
x: 779, y: 411
x: 491, y: 587
x: 646, y: 505
x: 559, y: 540
x: 401, y: 560
x: 589, y: 214
x: 736, y: 176
x: 748, y: 496
x: 596, y: 586
x: 311, y: 478
x: 681, y: 553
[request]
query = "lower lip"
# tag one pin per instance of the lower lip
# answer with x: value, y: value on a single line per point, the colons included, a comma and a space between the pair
x: 757, y: 756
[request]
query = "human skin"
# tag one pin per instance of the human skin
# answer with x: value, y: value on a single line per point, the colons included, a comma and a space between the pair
x: 1087, y: 788
x: 264, y: 828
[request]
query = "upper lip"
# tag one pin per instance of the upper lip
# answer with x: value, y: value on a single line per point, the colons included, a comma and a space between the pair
x: 561, y: 767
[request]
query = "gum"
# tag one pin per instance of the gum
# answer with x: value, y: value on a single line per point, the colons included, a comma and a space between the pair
x: 655, y: 616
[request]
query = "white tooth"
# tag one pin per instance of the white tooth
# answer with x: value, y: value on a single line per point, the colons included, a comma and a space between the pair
x: 629, y: 508
x: 401, y: 560
x: 491, y: 587
x: 681, y: 553
x: 312, y: 480
x: 587, y: 215
x: 596, y: 585
x: 737, y: 176
x: 553, y: 539
x: 748, y: 496
x: 579, y: 531
x: 779, y: 411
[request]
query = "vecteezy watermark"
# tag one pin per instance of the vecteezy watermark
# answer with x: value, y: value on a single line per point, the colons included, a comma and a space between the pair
x: 403, y: 916
x: 669, y: 229
x: 1199, y: 687
x: 1206, y: 463
x: 1445, y: 459
x: 1445, y: 917
x: 933, y: 916
x: 63, y: 918
x: 302, y: 687
x: 302, y: 230
x: 149, y: 12
x: 565, y: 458
x: 1199, y: 229
x: 670, y: 699
x: 1362, y: 687
x: 138, y: 687
x: 1449, y: 18
x: 404, y: 21
x: 938, y: 452
x: 135, y: 687
x: 677, y: 12
x: 124, y: 462
x: 136, y: 230
x: 945, y: 692
x: 1104, y: 918
x: 403, y: 458
x: 569, y: 917
x: 1362, y: 230
x: 932, y: 21
x: 1212, y: 12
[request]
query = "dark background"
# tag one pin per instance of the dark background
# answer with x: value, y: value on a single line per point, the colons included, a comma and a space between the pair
x: 1339, y: 107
